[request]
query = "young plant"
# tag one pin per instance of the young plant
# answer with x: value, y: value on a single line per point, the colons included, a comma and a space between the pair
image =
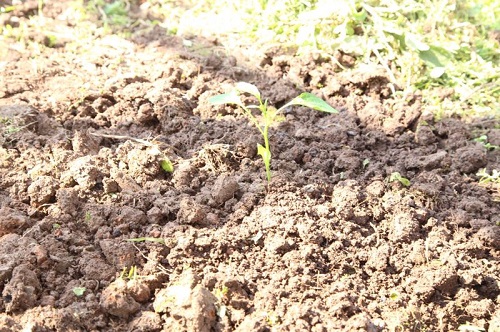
x: 269, y: 114
x: 395, y: 176
x: 494, y: 177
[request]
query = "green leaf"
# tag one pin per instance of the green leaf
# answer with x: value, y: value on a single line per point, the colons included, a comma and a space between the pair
x: 397, y: 177
x: 366, y: 162
x: 413, y: 42
x: 436, y: 56
x: 78, y: 291
x: 437, y: 72
x: 309, y: 100
x: 167, y: 165
x: 226, y: 98
x: 248, y: 88
x: 150, y: 239
x: 430, y: 57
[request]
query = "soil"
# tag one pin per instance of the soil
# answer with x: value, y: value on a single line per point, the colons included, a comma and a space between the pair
x: 96, y: 236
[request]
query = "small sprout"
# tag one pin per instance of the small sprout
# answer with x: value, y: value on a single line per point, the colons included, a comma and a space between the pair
x: 220, y: 293
x: 144, y: 239
x: 88, y: 216
x: 167, y: 165
x: 272, y: 318
x: 56, y: 226
x: 51, y: 41
x: 7, y: 9
x: 131, y: 275
x: 270, y: 115
x: 78, y: 291
x: 394, y: 295
x: 483, y: 139
x: 485, y: 177
x: 366, y: 162
x: 397, y: 177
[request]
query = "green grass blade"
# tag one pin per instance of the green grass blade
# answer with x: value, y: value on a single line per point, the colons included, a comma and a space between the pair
x: 144, y: 239
x: 309, y: 100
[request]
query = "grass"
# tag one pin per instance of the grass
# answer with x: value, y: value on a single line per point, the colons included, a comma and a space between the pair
x: 423, y: 45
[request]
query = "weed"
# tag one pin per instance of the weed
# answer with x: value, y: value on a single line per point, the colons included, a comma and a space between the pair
x: 395, y: 176
x: 167, y: 165
x: 272, y: 318
x: 366, y: 162
x: 485, y: 177
x: 112, y: 13
x: 9, y: 126
x: 394, y: 295
x: 130, y: 275
x: 153, y: 148
x: 483, y: 139
x: 269, y: 114
x: 145, y: 239
x: 79, y: 291
x: 220, y: 293
x: 88, y: 216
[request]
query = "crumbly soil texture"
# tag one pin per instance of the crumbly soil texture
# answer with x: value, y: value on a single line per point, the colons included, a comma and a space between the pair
x: 96, y: 236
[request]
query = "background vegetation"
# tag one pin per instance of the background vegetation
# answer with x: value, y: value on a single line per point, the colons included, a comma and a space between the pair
x: 440, y: 47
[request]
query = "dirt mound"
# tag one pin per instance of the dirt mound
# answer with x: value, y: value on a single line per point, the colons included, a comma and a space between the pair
x: 334, y: 242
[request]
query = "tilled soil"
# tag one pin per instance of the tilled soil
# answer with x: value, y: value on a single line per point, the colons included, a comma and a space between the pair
x: 96, y: 236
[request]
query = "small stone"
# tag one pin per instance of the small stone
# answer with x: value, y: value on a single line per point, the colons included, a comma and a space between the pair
x: 12, y: 221
x: 490, y: 236
x: 116, y: 301
x: 43, y: 190
x: 404, y: 227
x: 224, y: 189
x: 146, y: 321
x: 139, y: 290
x: 191, y: 212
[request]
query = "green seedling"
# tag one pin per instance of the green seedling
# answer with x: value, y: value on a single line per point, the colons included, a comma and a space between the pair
x: 78, y: 291
x: 269, y: 114
x: 485, y: 177
x: 167, y: 165
x: 272, y: 318
x: 7, y: 9
x: 366, y: 162
x: 149, y: 239
x: 220, y: 293
x: 130, y: 275
x: 88, y: 216
x: 394, y: 295
x: 483, y: 139
x: 395, y: 176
